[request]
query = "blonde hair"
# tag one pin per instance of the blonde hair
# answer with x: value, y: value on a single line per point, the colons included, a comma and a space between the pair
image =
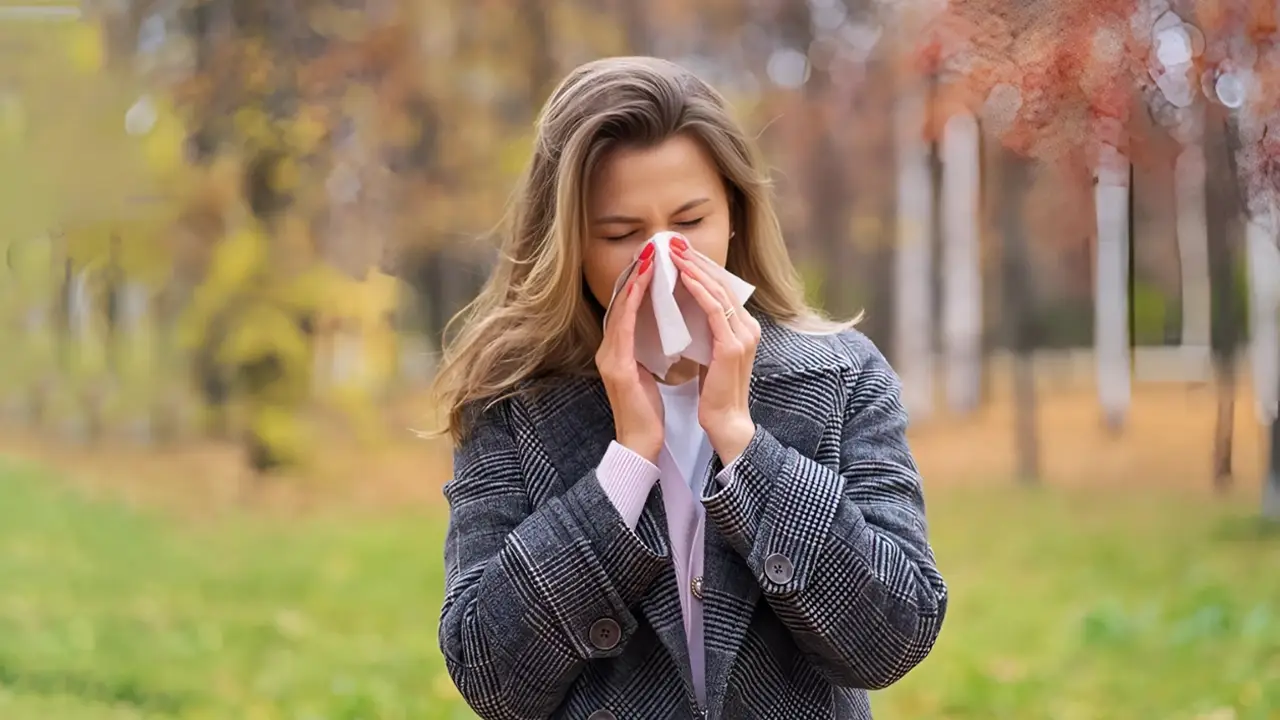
x: 535, y: 318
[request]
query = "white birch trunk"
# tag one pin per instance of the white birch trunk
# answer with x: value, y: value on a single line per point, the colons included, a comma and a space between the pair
x: 1263, y: 260
x: 135, y: 305
x: 962, y: 273
x: 1193, y: 253
x: 1111, y: 291
x: 913, y: 319
x: 80, y: 307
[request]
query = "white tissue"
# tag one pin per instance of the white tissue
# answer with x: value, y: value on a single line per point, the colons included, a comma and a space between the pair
x: 671, y: 324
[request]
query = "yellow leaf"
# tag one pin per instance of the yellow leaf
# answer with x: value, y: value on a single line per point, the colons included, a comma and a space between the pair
x: 306, y: 132
x: 280, y: 429
x: 237, y: 259
x: 86, y: 48
x: 285, y: 175
x: 253, y: 124
x: 163, y: 146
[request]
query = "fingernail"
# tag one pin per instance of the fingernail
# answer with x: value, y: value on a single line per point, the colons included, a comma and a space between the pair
x: 644, y: 264
x: 679, y: 244
x: 647, y: 252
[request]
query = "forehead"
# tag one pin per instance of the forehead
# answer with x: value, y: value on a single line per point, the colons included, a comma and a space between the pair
x: 670, y: 172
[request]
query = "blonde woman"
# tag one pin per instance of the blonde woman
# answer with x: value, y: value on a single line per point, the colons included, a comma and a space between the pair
x: 741, y: 540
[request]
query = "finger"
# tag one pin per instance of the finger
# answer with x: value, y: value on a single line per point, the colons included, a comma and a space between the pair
x: 724, y: 298
x: 721, y: 330
x: 695, y: 267
x: 743, y: 322
x: 619, y: 296
x: 623, y: 332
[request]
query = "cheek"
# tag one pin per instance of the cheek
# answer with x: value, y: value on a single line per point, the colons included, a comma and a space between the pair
x: 601, y: 266
x: 712, y: 240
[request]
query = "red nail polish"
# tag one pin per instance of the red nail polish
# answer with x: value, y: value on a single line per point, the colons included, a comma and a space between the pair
x: 644, y: 264
x: 647, y: 252
x: 679, y: 244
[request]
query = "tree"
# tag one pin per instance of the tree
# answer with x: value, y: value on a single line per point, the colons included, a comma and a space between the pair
x: 913, y: 272
x: 962, y: 268
x: 1224, y: 214
x: 1112, y: 197
x: 1012, y: 177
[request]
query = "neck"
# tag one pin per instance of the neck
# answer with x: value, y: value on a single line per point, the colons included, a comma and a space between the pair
x: 682, y: 372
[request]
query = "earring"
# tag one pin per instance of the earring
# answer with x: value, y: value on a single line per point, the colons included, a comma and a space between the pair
x: 732, y: 233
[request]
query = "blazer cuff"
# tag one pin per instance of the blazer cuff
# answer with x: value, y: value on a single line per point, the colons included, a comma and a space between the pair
x: 779, y: 504
x: 737, y: 507
x: 627, y: 478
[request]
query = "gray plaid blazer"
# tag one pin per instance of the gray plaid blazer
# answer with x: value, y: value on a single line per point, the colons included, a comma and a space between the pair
x: 820, y: 583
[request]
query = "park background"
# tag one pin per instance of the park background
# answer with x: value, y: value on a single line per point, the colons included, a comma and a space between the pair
x: 233, y: 231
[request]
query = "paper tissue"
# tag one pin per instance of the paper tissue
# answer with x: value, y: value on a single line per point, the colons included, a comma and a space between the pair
x: 670, y: 324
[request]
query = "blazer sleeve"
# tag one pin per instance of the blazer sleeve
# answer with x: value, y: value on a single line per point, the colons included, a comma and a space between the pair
x: 532, y: 595
x: 842, y: 557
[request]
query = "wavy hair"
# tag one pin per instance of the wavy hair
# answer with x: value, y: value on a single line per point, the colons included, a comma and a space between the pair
x: 535, y: 319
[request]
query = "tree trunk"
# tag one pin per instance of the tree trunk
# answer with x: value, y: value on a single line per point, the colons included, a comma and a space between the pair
x: 1225, y: 221
x: 962, y: 288
x: 1271, y: 487
x: 165, y: 414
x: 1264, y: 299
x: 1111, y: 287
x: 829, y: 204
x: 1193, y: 245
x: 913, y: 319
x: 542, y: 66
x: 1019, y: 312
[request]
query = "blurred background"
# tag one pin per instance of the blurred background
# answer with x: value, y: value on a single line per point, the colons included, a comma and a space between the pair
x: 233, y: 231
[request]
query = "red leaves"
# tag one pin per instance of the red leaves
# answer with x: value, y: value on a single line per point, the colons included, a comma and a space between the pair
x: 1071, y: 64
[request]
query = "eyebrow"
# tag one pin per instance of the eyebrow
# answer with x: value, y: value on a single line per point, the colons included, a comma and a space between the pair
x: 623, y: 219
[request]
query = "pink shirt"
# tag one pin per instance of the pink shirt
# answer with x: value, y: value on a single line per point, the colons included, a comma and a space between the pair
x: 627, y: 479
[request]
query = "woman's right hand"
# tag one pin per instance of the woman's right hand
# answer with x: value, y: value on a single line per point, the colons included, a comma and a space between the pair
x: 633, y: 393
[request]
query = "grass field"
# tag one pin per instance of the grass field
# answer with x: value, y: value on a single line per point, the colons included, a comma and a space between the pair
x: 1071, y: 606
x: 136, y: 585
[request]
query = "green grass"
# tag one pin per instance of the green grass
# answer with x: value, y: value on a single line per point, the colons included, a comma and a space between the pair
x: 1064, y: 606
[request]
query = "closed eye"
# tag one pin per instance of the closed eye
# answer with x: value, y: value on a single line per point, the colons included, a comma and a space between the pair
x: 690, y: 223
x: 615, y: 238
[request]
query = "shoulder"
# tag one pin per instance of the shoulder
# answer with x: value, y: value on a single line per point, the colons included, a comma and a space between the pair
x: 846, y: 359
x: 786, y: 349
x: 548, y: 408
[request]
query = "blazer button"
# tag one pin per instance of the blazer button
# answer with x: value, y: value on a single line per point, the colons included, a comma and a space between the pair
x: 602, y: 715
x: 777, y: 567
x: 605, y: 634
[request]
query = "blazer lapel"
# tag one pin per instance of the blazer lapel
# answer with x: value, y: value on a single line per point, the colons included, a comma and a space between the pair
x: 660, y: 606
x: 732, y: 594
x: 731, y: 589
x: 575, y: 425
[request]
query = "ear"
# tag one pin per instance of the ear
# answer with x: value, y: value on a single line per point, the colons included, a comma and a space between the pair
x: 737, y: 206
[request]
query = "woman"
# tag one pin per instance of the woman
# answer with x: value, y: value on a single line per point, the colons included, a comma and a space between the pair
x: 741, y: 540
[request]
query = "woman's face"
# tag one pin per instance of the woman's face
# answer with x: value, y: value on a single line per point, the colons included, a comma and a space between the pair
x: 637, y: 192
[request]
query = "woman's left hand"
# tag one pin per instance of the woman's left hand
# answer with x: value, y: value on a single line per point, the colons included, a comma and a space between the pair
x: 723, y: 411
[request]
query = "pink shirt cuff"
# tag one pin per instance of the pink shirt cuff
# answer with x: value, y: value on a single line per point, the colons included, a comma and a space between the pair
x: 627, y: 479
x: 724, y: 478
